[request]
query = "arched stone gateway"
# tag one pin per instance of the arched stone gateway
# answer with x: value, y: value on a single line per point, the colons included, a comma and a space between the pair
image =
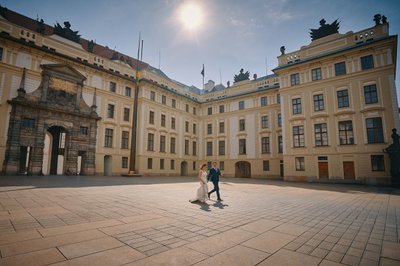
x: 243, y: 169
x: 52, y: 130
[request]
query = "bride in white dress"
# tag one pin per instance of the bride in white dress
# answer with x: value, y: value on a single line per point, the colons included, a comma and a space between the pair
x: 202, y: 191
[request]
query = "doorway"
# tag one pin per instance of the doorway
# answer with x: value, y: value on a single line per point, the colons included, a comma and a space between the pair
x: 54, y: 151
x: 107, y: 165
x: 323, y: 171
x: 281, y: 173
x: 243, y: 169
x: 184, y: 168
x: 348, y: 170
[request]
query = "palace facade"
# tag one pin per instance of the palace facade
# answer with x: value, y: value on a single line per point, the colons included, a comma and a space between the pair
x: 66, y: 107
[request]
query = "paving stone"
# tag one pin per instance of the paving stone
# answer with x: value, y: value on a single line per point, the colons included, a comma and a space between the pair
x: 260, y: 226
x: 391, y: 250
x: 291, y: 229
x: 319, y: 252
x: 350, y: 260
x: 269, y: 241
x: 287, y: 257
x: 41, y: 257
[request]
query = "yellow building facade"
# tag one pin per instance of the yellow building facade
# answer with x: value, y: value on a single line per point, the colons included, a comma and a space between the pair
x: 288, y: 125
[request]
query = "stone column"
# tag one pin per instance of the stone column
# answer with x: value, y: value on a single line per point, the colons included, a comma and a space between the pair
x: 79, y: 86
x: 45, y: 86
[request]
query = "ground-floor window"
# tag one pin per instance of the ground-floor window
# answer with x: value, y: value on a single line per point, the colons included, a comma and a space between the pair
x: 300, y: 164
x: 222, y: 165
x: 162, y: 164
x: 149, y: 163
x: 266, y: 165
x: 124, y: 162
x: 378, y: 163
x: 172, y: 164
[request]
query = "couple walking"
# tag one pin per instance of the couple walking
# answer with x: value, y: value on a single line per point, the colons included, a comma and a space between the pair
x: 204, y: 177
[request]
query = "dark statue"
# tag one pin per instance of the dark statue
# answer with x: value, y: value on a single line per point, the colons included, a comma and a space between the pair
x: 91, y: 46
x: 228, y: 84
x: 283, y: 50
x: 377, y: 19
x: 66, y: 32
x: 255, y: 76
x: 324, y: 29
x: 242, y: 76
x: 40, y: 26
x: 394, y: 155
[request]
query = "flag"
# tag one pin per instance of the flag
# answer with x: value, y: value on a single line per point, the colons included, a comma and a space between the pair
x: 202, y: 72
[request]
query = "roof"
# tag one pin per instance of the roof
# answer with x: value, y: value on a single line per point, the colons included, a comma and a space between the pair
x: 99, y: 50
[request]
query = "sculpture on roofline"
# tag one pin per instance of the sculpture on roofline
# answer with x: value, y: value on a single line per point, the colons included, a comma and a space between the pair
x: 242, y: 76
x: 66, y: 32
x: 324, y: 29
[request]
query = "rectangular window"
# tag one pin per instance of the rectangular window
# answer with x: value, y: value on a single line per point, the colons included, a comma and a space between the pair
x: 150, y: 142
x: 187, y: 107
x: 264, y: 121
x: 124, y: 162
x: 162, y: 164
x: 84, y: 130
x: 264, y: 101
x: 149, y: 163
x: 241, y: 105
x: 221, y: 127
x: 152, y: 95
x: 209, y: 148
x: 242, y: 146
x: 172, y: 164
x: 321, y: 134
x: 316, y: 74
x: 209, y: 111
x: 374, y: 130
x: 222, y: 109
x: 173, y: 122
x: 298, y: 136
x: 266, y: 165
x: 378, y: 163
x: 187, y: 126
x: 340, y: 68
x: 113, y: 86
x: 319, y: 102
x: 172, y: 145
x: 370, y: 94
x: 209, y: 129
x: 186, y: 147
x: 242, y: 125
x: 108, y: 139
x: 194, y: 110
x: 279, y: 120
x: 295, y: 79
x: 28, y: 122
x: 128, y: 91
x: 367, y: 62
x: 151, y: 118
x: 194, y: 129
x: 300, y: 164
x: 222, y: 165
x: 296, y: 103
x: 110, y: 111
x: 265, y: 148
x: 346, y: 136
x: 125, y: 140
x: 278, y: 98
x: 163, y: 122
x: 173, y: 103
x: 221, y: 147
x: 162, y: 143
x: 1, y: 54
x: 163, y: 99
x: 194, y: 148
x: 280, y: 144
x: 126, y: 114
x: 343, y: 98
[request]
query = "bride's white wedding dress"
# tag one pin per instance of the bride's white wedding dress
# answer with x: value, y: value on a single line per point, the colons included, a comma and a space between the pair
x: 202, y: 191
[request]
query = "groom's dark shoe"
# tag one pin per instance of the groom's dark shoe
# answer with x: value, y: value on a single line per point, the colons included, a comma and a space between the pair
x: 219, y: 199
x: 208, y: 194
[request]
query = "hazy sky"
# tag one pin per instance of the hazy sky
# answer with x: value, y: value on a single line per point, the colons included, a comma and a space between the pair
x: 234, y: 34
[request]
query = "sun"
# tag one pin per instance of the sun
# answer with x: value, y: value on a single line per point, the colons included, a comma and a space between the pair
x: 191, y: 15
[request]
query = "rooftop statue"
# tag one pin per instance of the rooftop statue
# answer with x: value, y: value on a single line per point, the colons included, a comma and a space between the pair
x: 242, y: 76
x: 394, y: 155
x: 40, y: 26
x: 66, y: 32
x: 324, y: 29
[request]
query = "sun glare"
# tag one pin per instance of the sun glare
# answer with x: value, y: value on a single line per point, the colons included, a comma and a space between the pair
x: 191, y: 15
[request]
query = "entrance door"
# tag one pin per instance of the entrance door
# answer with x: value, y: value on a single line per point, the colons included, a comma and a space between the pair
x: 348, y: 170
x: 323, y: 170
x: 107, y: 165
x: 184, y: 168
x: 57, y: 150
x: 243, y: 169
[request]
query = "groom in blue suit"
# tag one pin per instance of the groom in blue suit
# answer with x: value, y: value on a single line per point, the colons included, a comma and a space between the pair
x: 214, y: 177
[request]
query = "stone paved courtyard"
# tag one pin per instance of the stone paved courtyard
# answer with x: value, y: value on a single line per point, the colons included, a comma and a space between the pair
x: 61, y: 220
